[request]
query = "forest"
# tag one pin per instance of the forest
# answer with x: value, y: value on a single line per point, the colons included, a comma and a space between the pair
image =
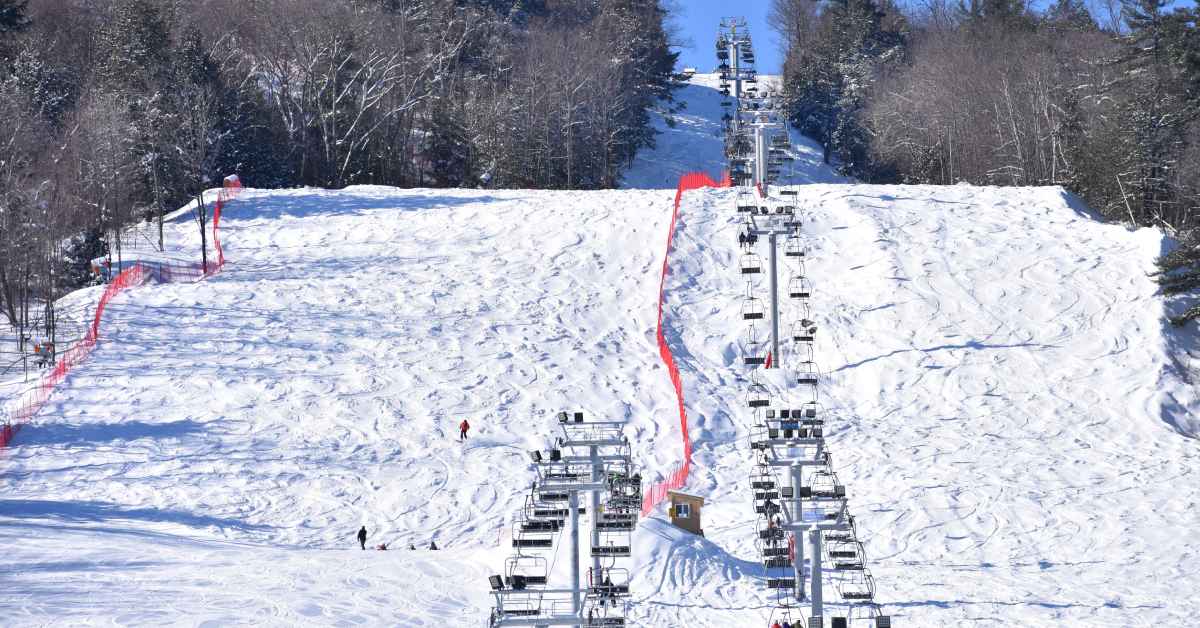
x: 117, y: 111
x: 1101, y: 99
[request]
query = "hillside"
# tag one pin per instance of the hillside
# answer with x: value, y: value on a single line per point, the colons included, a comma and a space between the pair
x: 1018, y: 443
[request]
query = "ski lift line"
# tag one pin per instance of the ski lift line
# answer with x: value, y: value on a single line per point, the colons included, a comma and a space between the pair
x: 793, y: 432
x: 136, y: 274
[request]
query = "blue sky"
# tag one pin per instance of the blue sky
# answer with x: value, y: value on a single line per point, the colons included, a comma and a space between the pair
x: 697, y: 21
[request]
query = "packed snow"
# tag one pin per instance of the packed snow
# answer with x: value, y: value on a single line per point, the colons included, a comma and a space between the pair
x: 1017, y: 438
x: 691, y: 139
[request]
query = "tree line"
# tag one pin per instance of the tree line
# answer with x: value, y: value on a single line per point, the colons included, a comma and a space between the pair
x: 1104, y: 101
x: 117, y: 111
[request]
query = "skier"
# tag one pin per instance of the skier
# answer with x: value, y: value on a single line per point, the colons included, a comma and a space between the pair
x: 776, y: 625
x: 362, y: 537
x: 462, y: 430
x: 432, y: 545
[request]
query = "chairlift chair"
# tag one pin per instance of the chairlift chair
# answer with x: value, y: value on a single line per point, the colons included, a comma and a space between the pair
x: 753, y: 347
x: 533, y: 570
x: 807, y: 374
x: 751, y: 264
x: 803, y: 330
x: 758, y: 396
x: 811, y: 414
x: 846, y: 555
x: 608, y: 582
x: 613, y: 544
x: 799, y: 288
x: 824, y: 484
x: 762, y: 480
x: 752, y: 309
x: 860, y: 587
x: 793, y: 247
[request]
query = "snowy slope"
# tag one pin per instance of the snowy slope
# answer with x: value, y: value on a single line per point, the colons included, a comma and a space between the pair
x: 1010, y: 423
x: 696, y: 143
x: 995, y: 360
x: 317, y: 383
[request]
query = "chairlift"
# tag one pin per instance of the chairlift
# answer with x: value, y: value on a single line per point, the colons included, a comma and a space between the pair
x: 758, y: 396
x: 861, y: 587
x: 785, y: 617
x: 807, y: 374
x: 533, y: 570
x: 752, y: 347
x: 613, y: 548
x: 803, y: 330
x: 846, y: 555
x: 751, y: 264
x: 824, y: 484
x: 762, y: 480
x: 608, y: 582
x: 752, y: 309
x: 799, y: 288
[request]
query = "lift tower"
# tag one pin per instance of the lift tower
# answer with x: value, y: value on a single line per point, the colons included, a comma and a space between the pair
x: 591, y: 458
x: 815, y: 563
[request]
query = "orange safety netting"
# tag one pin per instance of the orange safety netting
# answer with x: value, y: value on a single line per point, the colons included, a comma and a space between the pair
x: 657, y: 493
x: 137, y: 274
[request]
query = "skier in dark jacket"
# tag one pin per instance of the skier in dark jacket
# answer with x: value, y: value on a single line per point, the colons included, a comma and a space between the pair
x: 362, y: 537
x: 432, y: 545
x: 462, y: 429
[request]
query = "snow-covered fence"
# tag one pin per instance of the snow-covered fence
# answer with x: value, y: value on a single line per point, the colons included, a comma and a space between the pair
x: 657, y: 493
x: 32, y: 400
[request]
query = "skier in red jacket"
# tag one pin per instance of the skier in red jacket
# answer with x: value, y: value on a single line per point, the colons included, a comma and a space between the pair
x: 462, y: 430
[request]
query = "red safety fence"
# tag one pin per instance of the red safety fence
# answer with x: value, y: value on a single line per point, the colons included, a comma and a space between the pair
x: 654, y: 495
x: 136, y: 274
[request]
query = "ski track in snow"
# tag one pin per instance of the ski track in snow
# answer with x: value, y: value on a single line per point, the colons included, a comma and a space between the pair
x: 991, y: 358
x: 1007, y: 417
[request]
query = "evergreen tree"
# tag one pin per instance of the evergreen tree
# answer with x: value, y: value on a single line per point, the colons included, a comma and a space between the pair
x: 1156, y: 112
x: 977, y: 13
x: 448, y: 149
x: 76, y: 268
x: 1179, y: 273
x: 12, y: 17
x: 1069, y: 15
x: 12, y: 21
x: 135, y: 47
x: 829, y: 81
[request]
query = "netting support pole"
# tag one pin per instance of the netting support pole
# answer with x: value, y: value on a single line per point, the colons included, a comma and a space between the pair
x: 774, y: 302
